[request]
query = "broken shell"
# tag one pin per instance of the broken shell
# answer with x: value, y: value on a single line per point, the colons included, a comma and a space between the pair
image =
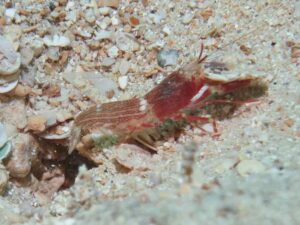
x: 5, y: 150
x: 56, y: 40
x: 103, y: 34
x: 7, y: 87
x: 10, y: 60
x: 27, y: 55
x: 53, y: 136
x: 3, y: 179
x: 3, y: 135
x: 59, y: 132
x: 126, y: 42
x: 8, y: 78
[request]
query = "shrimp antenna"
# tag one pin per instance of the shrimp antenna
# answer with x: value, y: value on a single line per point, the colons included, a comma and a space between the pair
x: 200, y: 58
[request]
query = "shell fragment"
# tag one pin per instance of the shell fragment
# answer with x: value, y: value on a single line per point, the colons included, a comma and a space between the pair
x: 4, y: 88
x: 10, y: 60
x: 3, y: 135
x: 5, y: 150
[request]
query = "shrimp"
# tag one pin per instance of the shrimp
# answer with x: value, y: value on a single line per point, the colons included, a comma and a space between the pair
x: 165, y: 110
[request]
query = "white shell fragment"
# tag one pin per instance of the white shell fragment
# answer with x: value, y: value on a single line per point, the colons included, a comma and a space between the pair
x: 50, y: 136
x: 59, y: 132
x: 231, y: 67
x: 4, y: 88
x: 3, y: 135
x: 103, y: 34
x: 7, y: 79
x: 113, y: 52
x: 123, y: 80
x: 57, y: 40
x: 5, y: 150
x: 10, y: 60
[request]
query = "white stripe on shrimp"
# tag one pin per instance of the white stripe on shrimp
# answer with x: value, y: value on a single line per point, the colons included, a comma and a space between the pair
x: 200, y: 93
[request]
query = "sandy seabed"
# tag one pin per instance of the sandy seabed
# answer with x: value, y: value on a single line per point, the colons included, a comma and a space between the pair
x: 248, y: 175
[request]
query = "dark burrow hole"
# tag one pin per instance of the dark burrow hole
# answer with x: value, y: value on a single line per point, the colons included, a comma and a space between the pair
x: 54, y: 157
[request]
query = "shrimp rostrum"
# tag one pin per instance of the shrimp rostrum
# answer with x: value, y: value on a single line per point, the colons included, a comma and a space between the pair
x: 181, y: 98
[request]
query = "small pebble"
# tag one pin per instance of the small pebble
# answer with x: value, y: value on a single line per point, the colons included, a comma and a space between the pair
x: 167, y: 30
x: 156, y: 18
x: 124, y: 67
x: 126, y: 42
x: 108, y: 62
x: 105, y: 87
x: 103, y: 25
x: 192, y: 4
x: 93, y: 44
x: 113, y: 52
x: 36, y: 123
x: 134, y: 21
x: 57, y: 40
x: 104, y: 11
x: 11, y: 12
x: 90, y: 16
x: 114, y: 21
x: 37, y: 47
x: 109, y: 3
x: 84, y: 33
x: 70, y: 5
x: 103, y: 34
x: 149, y: 35
x: 19, y: 163
x: 10, y: 60
x: 187, y: 18
x: 5, y: 150
x: 167, y: 57
x: 123, y: 81
x: 26, y: 56
x: 53, y: 54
